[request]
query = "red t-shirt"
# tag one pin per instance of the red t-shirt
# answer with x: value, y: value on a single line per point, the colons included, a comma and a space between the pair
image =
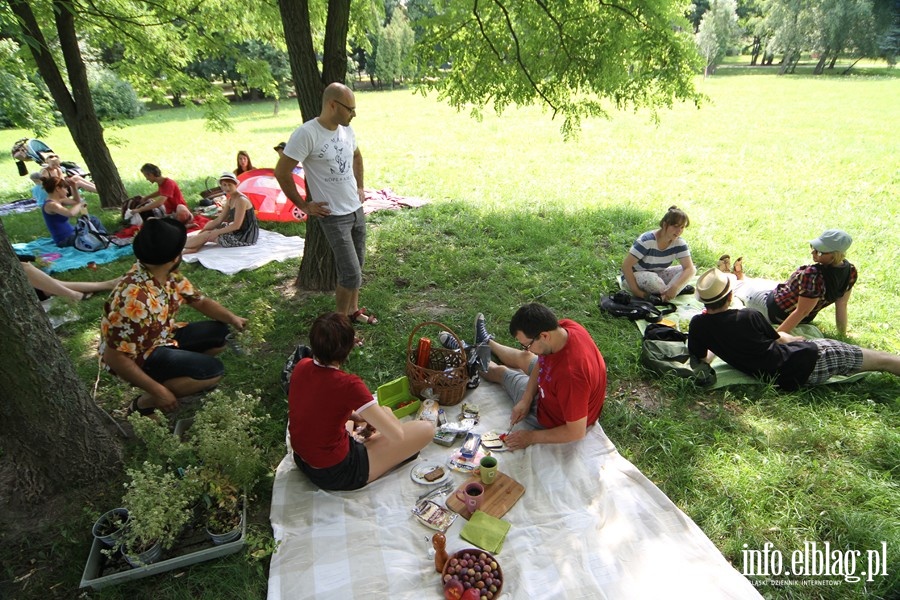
x: 571, y: 382
x: 320, y: 401
x: 172, y: 193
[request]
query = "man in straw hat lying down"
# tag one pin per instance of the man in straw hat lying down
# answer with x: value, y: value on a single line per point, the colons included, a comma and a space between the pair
x: 747, y: 341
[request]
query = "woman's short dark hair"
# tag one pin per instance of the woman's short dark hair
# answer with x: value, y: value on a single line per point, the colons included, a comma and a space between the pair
x: 151, y: 169
x: 331, y: 337
x: 533, y: 320
x: 51, y: 183
x: 674, y: 216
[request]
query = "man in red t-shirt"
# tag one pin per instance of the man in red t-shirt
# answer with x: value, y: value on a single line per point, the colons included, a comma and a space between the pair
x: 167, y: 194
x: 564, y: 395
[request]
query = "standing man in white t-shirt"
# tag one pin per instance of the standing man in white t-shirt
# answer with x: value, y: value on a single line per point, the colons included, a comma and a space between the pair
x: 333, y: 164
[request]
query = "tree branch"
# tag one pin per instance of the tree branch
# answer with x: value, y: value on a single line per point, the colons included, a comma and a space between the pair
x: 519, y: 60
x: 484, y: 33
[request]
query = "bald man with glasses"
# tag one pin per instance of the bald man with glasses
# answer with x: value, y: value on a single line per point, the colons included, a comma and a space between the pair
x: 333, y: 165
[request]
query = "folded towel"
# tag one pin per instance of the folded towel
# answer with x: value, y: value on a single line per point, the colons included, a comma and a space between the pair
x: 485, y: 531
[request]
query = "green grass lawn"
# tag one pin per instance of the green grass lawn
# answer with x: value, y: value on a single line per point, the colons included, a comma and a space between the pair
x: 519, y: 215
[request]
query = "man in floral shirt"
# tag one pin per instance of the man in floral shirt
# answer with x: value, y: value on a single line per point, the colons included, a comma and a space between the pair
x: 140, y: 340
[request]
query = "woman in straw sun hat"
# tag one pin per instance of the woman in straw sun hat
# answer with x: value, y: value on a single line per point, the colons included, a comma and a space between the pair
x: 235, y: 226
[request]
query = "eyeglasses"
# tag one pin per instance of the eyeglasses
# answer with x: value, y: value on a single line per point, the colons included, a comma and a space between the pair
x: 819, y: 252
x: 527, y: 346
x: 349, y: 108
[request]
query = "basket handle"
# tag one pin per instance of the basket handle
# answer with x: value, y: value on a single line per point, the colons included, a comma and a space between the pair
x: 436, y: 324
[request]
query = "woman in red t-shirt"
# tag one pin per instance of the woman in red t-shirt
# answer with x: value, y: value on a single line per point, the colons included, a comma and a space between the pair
x: 326, y: 403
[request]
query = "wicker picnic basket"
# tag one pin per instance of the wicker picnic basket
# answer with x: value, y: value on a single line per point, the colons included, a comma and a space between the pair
x: 445, y: 373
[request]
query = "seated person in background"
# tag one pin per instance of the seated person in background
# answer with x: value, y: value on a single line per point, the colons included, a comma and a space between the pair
x: 279, y: 149
x: 167, y: 194
x: 648, y: 268
x: 59, y: 207
x: 53, y: 168
x: 324, y: 402
x: 142, y: 343
x: 243, y: 163
x: 747, y: 341
x: 46, y: 286
x: 808, y: 290
x: 557, y: 379
x: 235, y: 226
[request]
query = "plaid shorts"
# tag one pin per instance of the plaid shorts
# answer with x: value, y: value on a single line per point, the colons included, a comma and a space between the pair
x: 835, y: 358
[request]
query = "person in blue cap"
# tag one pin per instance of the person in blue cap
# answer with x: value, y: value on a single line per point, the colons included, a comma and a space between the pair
x: 809, y: 289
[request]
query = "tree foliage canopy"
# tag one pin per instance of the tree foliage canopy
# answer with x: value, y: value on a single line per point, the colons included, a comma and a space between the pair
x: 572, y: 56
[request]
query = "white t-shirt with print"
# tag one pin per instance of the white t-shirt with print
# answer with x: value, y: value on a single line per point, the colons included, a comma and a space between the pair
x: 327, y: 158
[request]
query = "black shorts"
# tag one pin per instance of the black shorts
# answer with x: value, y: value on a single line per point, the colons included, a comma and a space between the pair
x: 351, y: 473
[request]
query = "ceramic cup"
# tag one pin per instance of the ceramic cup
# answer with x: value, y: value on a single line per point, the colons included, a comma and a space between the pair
x: 471, y: 495
x: 488, y: 469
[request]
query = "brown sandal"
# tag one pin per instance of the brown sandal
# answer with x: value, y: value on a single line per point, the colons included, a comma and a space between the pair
x: 366, y: 319
x: 738, y: 268
x: 724, y: 263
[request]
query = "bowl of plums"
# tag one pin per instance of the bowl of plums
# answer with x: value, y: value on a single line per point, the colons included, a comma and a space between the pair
x: 472, y: 574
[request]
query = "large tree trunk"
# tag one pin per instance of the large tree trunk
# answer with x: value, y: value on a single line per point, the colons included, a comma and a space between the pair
x: 317, y: 271
x: 302, y: 56
x: 77, y: 107
x: 52, y: 435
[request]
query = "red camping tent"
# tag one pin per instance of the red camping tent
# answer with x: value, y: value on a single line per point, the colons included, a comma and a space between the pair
x: 261, y: 187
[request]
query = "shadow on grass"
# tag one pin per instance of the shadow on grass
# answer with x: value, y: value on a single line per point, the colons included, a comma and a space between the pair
x: 730, y: 459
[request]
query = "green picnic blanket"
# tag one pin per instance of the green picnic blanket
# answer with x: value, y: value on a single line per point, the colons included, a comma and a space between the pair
x: 687, y: 306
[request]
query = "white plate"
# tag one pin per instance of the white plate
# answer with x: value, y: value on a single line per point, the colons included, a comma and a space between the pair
x: 417, y: 473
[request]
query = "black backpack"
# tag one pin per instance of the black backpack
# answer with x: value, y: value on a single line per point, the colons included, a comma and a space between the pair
x: 299, y: 353
x: 623, y: 304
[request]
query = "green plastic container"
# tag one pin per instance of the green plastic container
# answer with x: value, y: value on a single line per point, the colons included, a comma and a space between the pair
x: 397, y: 392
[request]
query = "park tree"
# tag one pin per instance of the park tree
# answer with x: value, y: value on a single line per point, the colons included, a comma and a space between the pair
x: 52, y: 437
x: 23, y: 102
x: 577, y: 59
x: 303, y: 24
x: 718, y: 30
x: 840, y: 25
x: 68, y: 84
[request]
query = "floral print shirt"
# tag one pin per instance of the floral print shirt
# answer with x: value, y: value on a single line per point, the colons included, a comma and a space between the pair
x: 139, y: 315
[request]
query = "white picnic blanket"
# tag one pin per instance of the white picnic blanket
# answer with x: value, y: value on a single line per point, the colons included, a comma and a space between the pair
x: 589, y: 526
x: 270, y: 246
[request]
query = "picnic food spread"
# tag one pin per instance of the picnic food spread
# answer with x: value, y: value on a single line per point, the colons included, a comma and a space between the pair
x: 472, y: 573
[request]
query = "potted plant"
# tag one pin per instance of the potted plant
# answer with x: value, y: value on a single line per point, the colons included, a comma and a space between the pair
x: 159, y: 505
x: 109, y: 527
x: 224, y: 436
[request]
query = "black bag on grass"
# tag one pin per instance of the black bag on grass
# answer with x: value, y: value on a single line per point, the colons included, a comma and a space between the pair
x: 664, y: 351
x: 299, y: 353
x: 623, y: 304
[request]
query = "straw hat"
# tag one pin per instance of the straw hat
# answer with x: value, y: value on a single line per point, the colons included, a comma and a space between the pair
x: 226, y: 176
x: 712, y: 286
